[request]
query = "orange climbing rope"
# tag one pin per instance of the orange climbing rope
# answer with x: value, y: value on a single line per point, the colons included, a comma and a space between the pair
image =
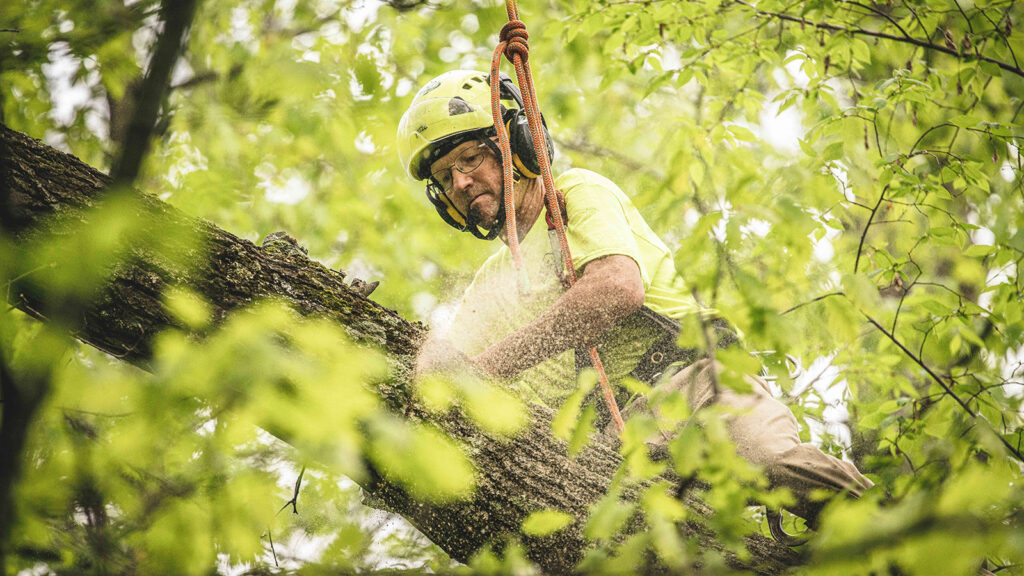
x: 513, y: 44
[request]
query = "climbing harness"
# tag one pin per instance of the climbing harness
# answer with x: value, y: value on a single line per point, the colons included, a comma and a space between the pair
x: 513, y: 44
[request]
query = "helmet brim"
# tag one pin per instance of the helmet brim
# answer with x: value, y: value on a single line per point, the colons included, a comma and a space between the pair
x: 435, y: 120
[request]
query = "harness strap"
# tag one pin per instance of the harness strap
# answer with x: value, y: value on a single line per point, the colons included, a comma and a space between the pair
x: 663, y: 354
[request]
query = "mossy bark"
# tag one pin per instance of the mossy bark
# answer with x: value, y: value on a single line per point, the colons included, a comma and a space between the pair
x: 48, y: 190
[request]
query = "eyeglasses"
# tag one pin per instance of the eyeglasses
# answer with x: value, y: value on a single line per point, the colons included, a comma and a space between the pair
x: 467, y: 162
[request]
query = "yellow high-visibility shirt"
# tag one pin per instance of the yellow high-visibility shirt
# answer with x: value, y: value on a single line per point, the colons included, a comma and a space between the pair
x: 601, y: 221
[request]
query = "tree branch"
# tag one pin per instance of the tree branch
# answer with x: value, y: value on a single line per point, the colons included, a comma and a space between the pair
x: 294, y: 502
x: 580, y: 144
x: 905, y: 40
x: 21, y: 400
x: 931, y: 373
x: 864, y: 234
x: 6, y: 212
x: 205, y: 77
x: 883, y: 15
x: 818, y: 299
x: 232, y: 273
x: 177, y: 19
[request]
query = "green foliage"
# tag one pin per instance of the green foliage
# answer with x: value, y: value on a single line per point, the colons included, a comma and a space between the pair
x: 574, y: 423
x: 487, y: 403
x: 823, y: 171
x: 545, y: 522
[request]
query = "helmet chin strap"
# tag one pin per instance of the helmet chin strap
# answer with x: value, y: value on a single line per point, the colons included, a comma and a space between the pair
x: 473, y: 226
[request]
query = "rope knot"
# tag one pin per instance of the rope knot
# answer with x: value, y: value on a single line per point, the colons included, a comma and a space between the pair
x: 515, y: 36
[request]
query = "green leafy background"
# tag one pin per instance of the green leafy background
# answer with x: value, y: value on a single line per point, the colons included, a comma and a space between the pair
x: 841, y: 179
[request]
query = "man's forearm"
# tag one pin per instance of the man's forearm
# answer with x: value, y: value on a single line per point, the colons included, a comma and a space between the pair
x: 578, y: 318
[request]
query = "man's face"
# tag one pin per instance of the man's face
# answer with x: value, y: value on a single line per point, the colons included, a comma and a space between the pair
x: 475, y: 192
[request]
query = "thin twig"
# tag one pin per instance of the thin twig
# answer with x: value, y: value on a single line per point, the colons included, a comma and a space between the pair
x: 294, y: 502
x: 927, y: 132
x: 273, y: 550
x: 883, y: 15
x: 945, y: 386
x: 818, y: 299
x: 995, y: 28
x: 914, y: 41
x: 25, y: 274
x: 917, y: 18
x: 864, y: 234
x: 964, y: 14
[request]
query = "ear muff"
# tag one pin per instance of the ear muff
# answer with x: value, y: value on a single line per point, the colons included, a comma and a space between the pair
x: 507, y: 90
x: 524, y: 157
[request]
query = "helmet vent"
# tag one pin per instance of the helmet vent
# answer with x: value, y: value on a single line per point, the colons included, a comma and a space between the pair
x: 458, y: 106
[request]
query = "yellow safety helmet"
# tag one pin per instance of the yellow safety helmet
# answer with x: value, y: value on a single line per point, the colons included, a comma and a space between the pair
x: 456, y: 102
x: 453, y: 108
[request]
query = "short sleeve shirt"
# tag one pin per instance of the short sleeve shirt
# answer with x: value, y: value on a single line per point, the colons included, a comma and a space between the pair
x: 602, y: 221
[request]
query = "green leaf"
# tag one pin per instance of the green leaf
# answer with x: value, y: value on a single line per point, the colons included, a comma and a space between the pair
x: 807, y: 148
x: 737, y: 365
x: 608, y: 517
x: 546, y: 522
x: 494, y: 409
x: 742, y: 133
x: 964, y: 121
x: 422, y: 459
x: 833, y: 151
x: 935, y: 307
x: 436, y: 392
x: 568, y: 417
x: 188, y: 307
x: 584, y: 429
x: 885, y: 260
x: 979, y: 251
x: 861, y: 50
x: 862, y: 292
x: 687, y: 450
x: 658, y: 501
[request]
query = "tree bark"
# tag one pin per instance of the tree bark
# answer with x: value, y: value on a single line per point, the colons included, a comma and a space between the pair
x: 49, y: 189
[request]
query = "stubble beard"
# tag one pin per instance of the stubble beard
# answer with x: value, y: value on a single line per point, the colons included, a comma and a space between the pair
x: 477, y: 217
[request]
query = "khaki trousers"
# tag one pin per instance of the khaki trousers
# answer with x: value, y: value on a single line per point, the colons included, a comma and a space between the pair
x: 766, y: 434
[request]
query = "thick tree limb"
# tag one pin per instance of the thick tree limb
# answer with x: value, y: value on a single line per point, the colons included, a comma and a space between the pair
x: 21, y: 399
x: 514, y: 477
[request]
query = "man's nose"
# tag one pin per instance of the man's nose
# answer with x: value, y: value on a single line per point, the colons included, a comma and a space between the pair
x: 460, y: 181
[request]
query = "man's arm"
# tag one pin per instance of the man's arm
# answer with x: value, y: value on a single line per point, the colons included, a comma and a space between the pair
x: 609, y: 290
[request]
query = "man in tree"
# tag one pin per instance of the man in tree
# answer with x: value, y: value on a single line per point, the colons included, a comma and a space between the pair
x: 626, y: 299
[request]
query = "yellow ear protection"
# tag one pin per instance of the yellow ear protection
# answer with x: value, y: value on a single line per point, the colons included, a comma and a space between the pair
x: 524, y: 159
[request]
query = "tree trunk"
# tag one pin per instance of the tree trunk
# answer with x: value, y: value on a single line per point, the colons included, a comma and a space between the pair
x: 48, y: 189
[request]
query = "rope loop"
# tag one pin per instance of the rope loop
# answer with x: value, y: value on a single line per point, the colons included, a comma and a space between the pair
x: 515, y: 36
